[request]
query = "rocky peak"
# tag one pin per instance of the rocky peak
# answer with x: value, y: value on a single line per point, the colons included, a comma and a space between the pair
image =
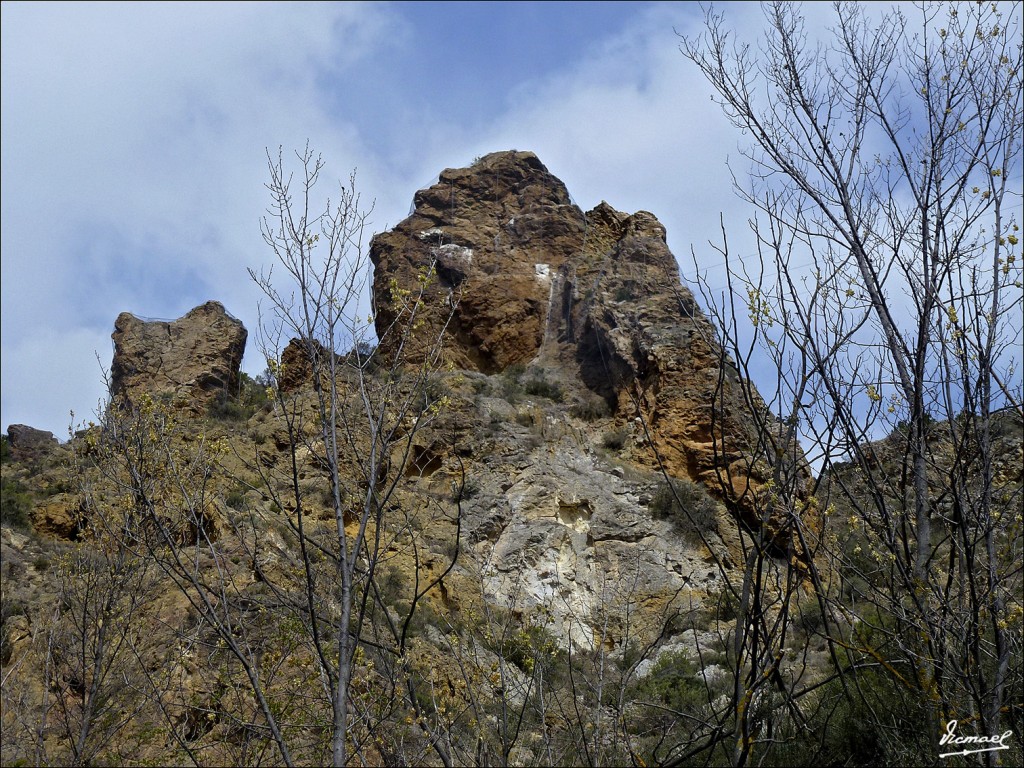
x: 496, y: 233
x: 193, y: 358
x: 592, y: 299
x: 516, y: 257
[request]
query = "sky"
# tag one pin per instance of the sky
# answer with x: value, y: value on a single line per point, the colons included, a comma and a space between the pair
x: 135, y: 138
x: 134, y: 141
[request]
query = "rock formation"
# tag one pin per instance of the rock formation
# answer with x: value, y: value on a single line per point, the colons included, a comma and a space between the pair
x: 29, y: 443
x: 523, y: 552
x: 497, y: 234
x: 524, y: 276
x: 297, y: 363
x: 193, y: 359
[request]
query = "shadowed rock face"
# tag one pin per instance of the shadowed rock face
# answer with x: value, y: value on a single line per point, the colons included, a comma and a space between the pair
x: 193, y: 358
x: 29, y: 443
x: 594, y: 300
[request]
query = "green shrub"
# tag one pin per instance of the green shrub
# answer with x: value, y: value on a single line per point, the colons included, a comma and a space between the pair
x: 511, y: 385
x: 57, y: 487
x: 435, y: 387
x: 15, y: 504
x: 252, y: 396
x: 510, y: 388
x: 527, y: 646
x: 5, y: 449
x: 674, y: 682
x: 626, y: 292
x: 614, y: 439
x: 541, y: 387
x: 236, y: 498
x: 226, y: 408
x: 855, y: 726
x: 808, y: 619
x: 256, y: 391
x: 591, y: 409
x: 363, y: 355
x: 688, y: 506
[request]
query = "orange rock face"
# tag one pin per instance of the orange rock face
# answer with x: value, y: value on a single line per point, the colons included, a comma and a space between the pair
x: 495, y: 234
x: 524, y: 276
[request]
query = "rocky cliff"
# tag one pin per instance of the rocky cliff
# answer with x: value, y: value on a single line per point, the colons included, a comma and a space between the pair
x: 591, y: 300
x: 581, y: 370
x: 193, y: 359
x: 561, y: 562
x: 497, y: 235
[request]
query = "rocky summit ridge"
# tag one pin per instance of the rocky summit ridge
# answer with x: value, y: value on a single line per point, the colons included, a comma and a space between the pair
x: 590, y: 370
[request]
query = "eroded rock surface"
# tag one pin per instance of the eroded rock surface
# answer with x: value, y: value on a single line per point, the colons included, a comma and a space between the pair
x: 497, y: 233
x: 28, y: 443
x: 192, y: 359
x: 592, y: 301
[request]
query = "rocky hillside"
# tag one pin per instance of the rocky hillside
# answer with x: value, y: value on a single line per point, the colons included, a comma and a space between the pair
x: 559, y: 523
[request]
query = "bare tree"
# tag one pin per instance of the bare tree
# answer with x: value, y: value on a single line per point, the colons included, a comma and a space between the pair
x: 361, y: 429
x: 265, y: 590
x: 885, y: 183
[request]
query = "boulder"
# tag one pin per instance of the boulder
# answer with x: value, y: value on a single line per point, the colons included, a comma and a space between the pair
x: 192, y: 359
x: 29, y: 443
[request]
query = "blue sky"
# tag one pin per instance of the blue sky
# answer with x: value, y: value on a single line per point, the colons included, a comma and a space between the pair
x: 134, y: 139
